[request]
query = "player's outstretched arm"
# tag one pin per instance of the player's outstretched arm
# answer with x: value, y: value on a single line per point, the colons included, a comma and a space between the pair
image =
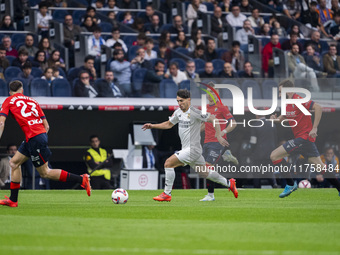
x: 2, y: 124
x: 163, y: 125
x: 46, y: 125
x: 317, y: 117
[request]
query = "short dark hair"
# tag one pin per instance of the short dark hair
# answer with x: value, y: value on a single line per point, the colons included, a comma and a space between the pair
x: 2, y: 47
x: 27, y: 65
x: 159, y: 61
x: 15, y: 85
x: 287, y: 83
x: 183, y: 93
x: 200, y: 47
x: 43, y: 4
x: 174, y: 63
x: 93, y: 136
x: 88, y: 57
x: 97, y: 29
x: 235, y: 43
x: 116, y: 52
x: 247, y: 62
x: 313, y: 3
x: 293, y: 33
x: 114, y: 29
x: 23, y: 51
x: 11, y: 145
x: 90, y: 8
x: 83, y: 71
x: 148, y: 40
x: 117, y: 44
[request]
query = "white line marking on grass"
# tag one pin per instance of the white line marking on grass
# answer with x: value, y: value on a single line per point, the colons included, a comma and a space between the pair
x: 157, y: 250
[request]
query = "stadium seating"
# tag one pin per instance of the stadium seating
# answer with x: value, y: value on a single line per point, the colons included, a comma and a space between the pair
x: 61, y: 88
x: 220, y: 52
x: 218, y: 65
x: 40, y: 88
x: 18, y: 38
x: 132, y: 52
x: 105, y: 26
x: 11, y: 72
x: 200, y: 64
x: 225, y: 93
x: 165, y: 27
x: 195, y: 92
x: 129, y: 40
x: 181, y: 63
x: 154, y: 60
x: 25, y: 86
x: 3, y: 88
x: 10, y: 59
x: 59, y: 15
x: 77, y: 15
x: 168, y: 89
x: 72, y: 74
x: 257, y: 94
x: 182, y: 51
x: 36, y: 72
x: 267, y: 87
x: 137, y: 79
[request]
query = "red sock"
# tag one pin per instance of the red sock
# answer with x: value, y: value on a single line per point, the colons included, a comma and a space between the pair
x: 63, y: 176
x: 66, y: 176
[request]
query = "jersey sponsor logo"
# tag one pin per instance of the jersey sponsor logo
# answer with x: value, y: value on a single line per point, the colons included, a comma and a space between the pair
x: 33, y: 122
x: 35, y: 158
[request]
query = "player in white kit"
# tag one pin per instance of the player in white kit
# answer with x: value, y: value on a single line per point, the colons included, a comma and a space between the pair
x: 189, y: 121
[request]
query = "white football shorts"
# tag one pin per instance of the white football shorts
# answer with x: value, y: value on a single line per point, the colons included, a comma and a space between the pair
x: 190, y: 157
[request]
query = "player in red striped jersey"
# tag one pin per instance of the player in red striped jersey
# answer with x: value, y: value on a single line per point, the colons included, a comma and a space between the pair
x: 305, y: 133
x: 32, y: 120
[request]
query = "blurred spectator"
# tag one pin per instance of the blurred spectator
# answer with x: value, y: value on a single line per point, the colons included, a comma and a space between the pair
x: 40, y: 60
x: 6, y: 23
x: 26, y: 73
x: 94, y: 42
x: 112, y: 16
x: 149, y: 53
x: 208, y: 71
x: 297, y: 66
x: 330, y: 160
x: 175, y: 74
x: 166, y: 39
x: 315, y: 41
x: 5, y: 169
x: 111, y: 5
x: 154, y: 27
x: 29, y: 45
x: 140, y: 61
x: 163, y: 52
x: 149, y: 12
x: 91, y: 11
x: 242, y: 34
x: 190, y: 71
x: 335, y: 29
x: 227, y: 71
x: 287, y: 45
x: 255, y: 19
x: 141, y: 39
x: 56, y: 73
x: 292, y: 9
x: 246, y: 6
x: 107, y: 87
x: 267, y: 56
x: 305, y: 12
x: 272, y: 19
x: 265, y: 29
x: 331, y: 62
x: 43, y: 19
x: 193, y: 11
x: 151, y: 157
x: 312, y: 59
x: 89, y: 67
x: 122, y: 71
x: 217, y: 23
x: 127, y: 4
x: 98, y: 4
x: 55, y: 60
x: 48, y: 75
x: 128, y: 19
x: 248, y: 71
x: 277, y: 29
x: 181, y: 40
x: 88, y: 25
x: 84, y: 87
x: 71, y: 32
x: 296, y: 30
x: 335, y: 6
x: 45, y: 45
x: 210, y: 51
x: 325, y: 14
x: 235, y: 57
x: 20, y: 9
x: 59, y: 3
x: 235, y: 18
x: 153, y: 77
x: 196, y: 39
x: 177, y: 25
x: 198, y: 52
x: 4, y: 63
x: 7, y: 43
x: 139, y: 25
x: 21, y: 59
x: 225, y: 5
x: 312, y: 18
x: 116, y: 38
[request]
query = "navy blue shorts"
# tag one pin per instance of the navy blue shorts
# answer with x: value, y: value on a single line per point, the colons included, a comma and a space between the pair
x: 36, y: 148
x: 301, y: 146
x: 211, y: 151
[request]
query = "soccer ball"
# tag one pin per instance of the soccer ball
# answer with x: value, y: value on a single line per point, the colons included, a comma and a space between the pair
x: 120, y: 196
x: 304, y: 184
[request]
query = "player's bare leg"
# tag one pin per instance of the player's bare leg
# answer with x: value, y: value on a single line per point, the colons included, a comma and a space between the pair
x: 208, y: 173
x: 61, y: 175
x: 15, y: 163
x: 170, y: 175
x: 328, y: 174
x: 277, y: 157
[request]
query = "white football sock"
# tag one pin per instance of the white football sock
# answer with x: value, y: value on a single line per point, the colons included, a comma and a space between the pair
x: 216, y: 177
x: 169, y: 180
x: 211, y: 194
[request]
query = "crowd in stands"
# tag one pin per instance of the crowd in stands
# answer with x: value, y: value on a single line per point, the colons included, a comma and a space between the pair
x: 173, y: 54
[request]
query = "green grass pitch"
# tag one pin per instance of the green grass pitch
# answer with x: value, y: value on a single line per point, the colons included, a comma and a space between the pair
x: 258, y: 222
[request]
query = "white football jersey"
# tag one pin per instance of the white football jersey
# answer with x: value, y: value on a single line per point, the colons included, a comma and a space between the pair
x: 189, y: 126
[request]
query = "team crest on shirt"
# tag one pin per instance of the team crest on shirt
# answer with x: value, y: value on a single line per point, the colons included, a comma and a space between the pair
x: 216, y: 109
x: 188, y: 115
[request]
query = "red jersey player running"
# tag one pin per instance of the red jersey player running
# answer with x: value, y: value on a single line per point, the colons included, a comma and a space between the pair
x: 27, y: 112
x: 305, y: 133
x: 212, y: 149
